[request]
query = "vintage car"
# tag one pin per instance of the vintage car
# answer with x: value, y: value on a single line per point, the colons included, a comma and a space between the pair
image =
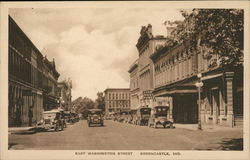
x: 109, y: 116
x: 159, y: 116
x: 143, y: 115
x: 74, y: 117
x: 67, y: 116
x: 52, y: 120
x: 77, y: 117
x: 132, y: 116
x: 95, y: 116
x: 124, y: 116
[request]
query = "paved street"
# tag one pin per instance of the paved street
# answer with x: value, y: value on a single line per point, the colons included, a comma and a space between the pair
x: 121, y: 136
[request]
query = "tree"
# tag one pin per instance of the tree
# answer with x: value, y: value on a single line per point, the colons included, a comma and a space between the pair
x: 100, y: 101
x: 83, y: 104
x: 219, y: 31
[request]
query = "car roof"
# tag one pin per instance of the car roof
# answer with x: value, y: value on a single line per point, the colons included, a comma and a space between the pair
x: 52, y: 111
x: 145, y: 108
x: 161, y: 106
x: 95, y: 109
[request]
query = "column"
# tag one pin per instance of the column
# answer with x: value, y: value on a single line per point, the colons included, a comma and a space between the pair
x: 229, y: 97
x: 170, y: 101
x: 214, y: 108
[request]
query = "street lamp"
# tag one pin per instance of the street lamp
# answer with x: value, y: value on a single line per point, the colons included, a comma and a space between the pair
x: 199, y: 84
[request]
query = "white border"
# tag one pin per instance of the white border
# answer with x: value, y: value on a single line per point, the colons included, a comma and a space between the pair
x: 68, y: 154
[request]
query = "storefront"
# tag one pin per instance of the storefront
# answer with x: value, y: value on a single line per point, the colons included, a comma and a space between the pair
x: 21, y: 98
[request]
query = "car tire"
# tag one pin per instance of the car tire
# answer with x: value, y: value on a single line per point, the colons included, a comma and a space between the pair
x: 164, y: 125
x: 155, y: 125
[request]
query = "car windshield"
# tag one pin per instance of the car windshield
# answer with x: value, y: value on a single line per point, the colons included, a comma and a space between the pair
x: 49, y: 115
x: 145, y: 110
x: 95, y: 112
x: 161, y: 111
x: 124, y: 113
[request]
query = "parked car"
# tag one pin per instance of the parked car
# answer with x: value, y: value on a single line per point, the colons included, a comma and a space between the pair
x: 75, y: 117
x: 109, y: 116
x: 159, y: 116
x: 143, y: 115
x: 132, y: 116
x: 52, y: 120
x: 67, y: 116
x: 116, y: 116
x: 95, y: 116
x: 124, y: 116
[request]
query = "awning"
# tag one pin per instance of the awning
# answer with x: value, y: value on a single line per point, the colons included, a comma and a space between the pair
x: 211, y: 76
x: 175, y: 91
x: 51, y: 99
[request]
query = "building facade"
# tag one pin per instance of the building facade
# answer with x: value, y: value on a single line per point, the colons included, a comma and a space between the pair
x: 134, y: 85
x: 175, y: 78
x: 117, y: 99
x: 64, y: 92
x: 50, y: 98
x: 29, y: 80
x: 146, y: 45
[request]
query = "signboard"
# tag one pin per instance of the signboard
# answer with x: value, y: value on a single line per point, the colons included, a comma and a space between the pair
x: 147, y: 94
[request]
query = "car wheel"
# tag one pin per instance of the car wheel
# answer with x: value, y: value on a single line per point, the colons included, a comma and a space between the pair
x: 164, y: 125
x: 155, y: 125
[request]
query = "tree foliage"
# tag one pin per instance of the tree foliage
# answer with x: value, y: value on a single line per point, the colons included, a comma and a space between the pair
x: 220, y: 31
x: 100, y: 101
x: 83, y: 104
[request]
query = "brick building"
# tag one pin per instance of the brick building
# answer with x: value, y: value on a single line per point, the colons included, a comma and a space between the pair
x: 134, y: 85
x: 143, y: 69
x: 32, y: 79
x: 175, y: 78
x: 117, y: 99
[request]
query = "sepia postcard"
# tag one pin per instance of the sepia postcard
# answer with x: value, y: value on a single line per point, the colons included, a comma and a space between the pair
x: 124, y: 80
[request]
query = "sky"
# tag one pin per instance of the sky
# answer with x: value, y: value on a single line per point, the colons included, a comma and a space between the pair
x: 94, y: 47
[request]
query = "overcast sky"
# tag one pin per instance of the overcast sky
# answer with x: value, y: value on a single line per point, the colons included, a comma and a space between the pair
x: 94, y: 47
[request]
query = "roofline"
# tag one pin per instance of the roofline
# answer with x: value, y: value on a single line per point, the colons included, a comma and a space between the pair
x: 116, y: 89
x: 24, y: 34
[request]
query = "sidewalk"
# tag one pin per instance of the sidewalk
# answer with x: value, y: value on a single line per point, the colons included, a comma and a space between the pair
x: 208, y: 128
x: 22, y: 130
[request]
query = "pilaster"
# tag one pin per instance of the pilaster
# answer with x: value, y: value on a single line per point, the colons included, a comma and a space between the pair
x: 229, y: 97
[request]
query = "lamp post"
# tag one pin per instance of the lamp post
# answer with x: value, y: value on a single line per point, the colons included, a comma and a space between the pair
x: 199, y: 84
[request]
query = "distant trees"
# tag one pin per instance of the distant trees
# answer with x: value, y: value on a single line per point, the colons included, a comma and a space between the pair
x: 220, y: 31
x: 100, y: 101
x: 83, y: 104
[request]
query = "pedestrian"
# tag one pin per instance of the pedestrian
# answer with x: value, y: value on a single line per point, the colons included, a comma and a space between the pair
x: 30, y: 114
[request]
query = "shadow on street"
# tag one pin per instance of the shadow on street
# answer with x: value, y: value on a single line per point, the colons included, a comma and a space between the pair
x: 232, y: 144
